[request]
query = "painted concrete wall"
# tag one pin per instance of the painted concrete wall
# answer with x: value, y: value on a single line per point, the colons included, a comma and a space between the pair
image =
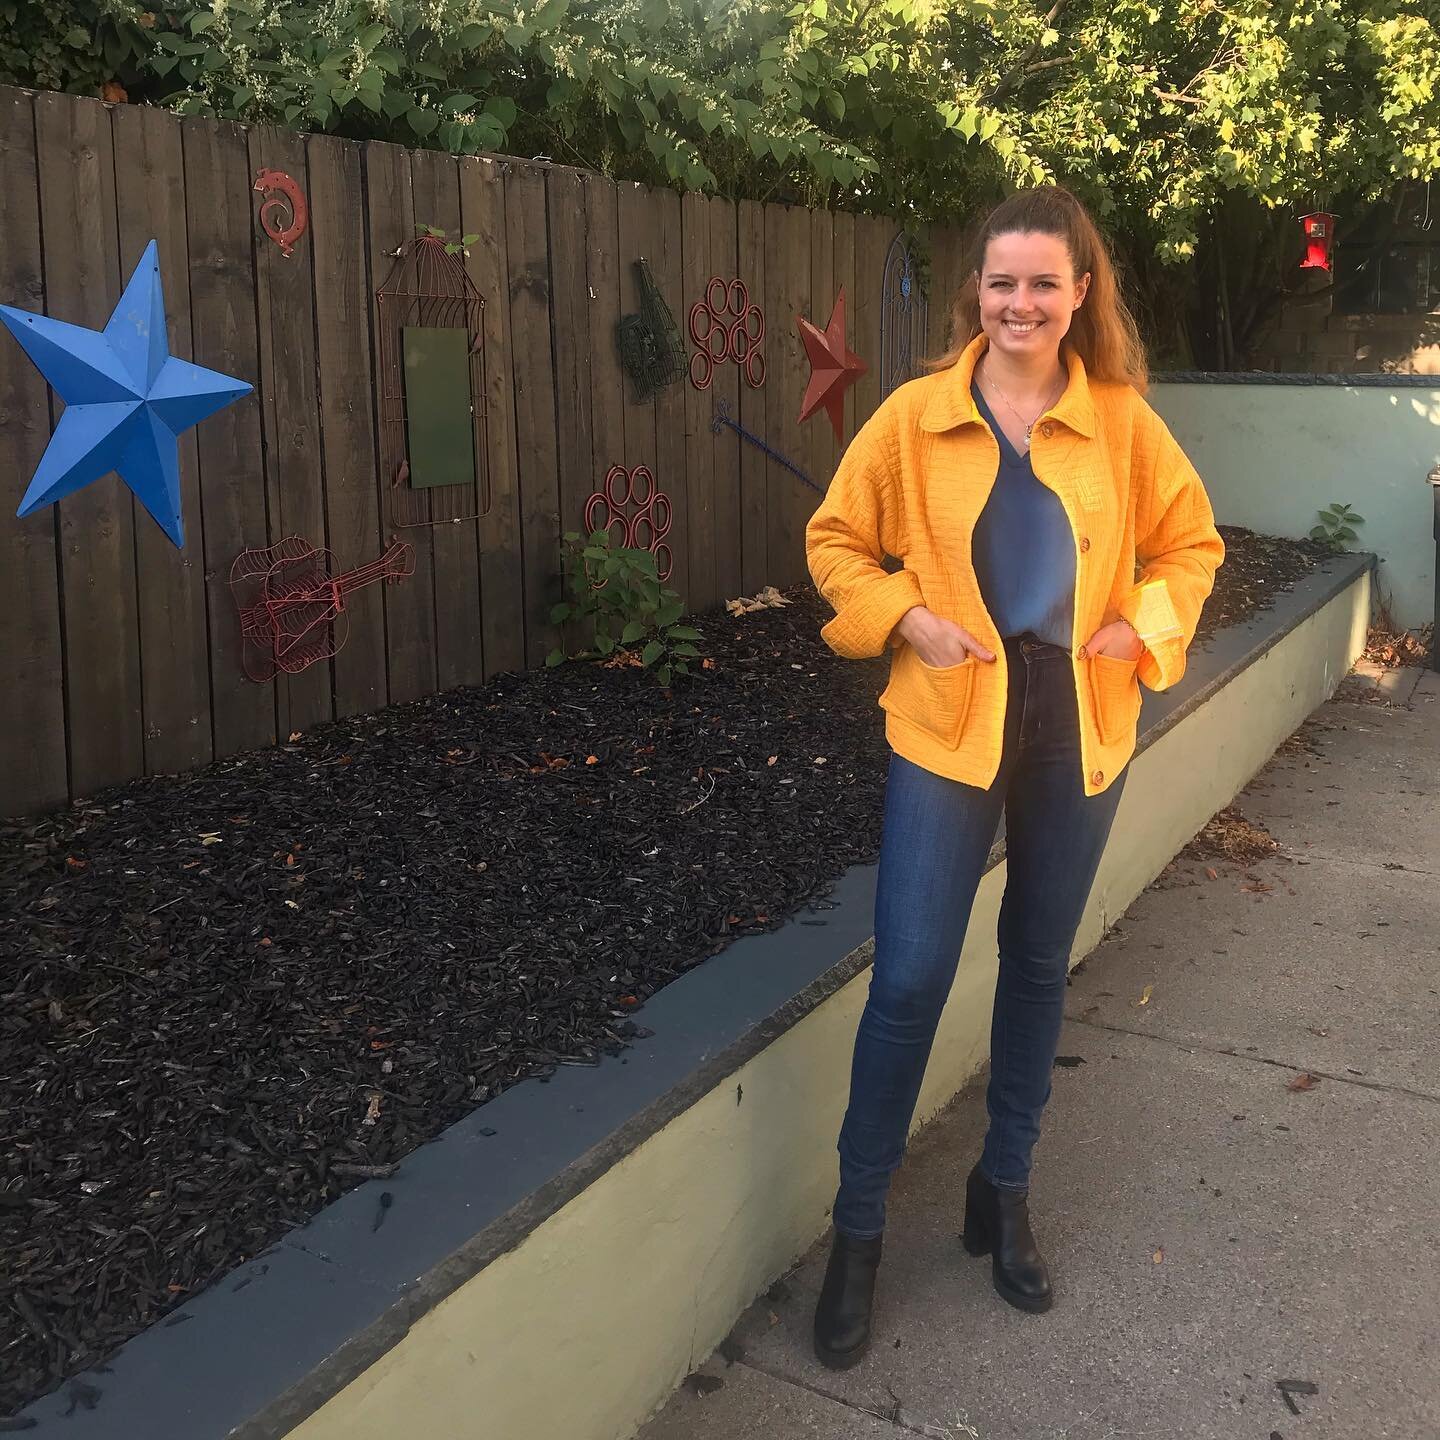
x: 585, y: 1328
x: 1273, y: 455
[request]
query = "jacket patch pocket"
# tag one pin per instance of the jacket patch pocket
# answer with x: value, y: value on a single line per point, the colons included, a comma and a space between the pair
x: 1114, y: 696
x: 934, y: 700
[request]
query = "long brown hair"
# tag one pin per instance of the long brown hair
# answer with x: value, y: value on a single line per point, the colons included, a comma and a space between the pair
x: 1103, y: 331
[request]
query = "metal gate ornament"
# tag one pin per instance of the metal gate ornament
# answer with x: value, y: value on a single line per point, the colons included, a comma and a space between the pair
x: 904, y: 310
x: 834, y: 367
x: 127, y: 399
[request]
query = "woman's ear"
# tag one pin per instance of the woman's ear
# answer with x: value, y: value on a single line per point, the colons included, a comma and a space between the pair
x: 1082, y: 289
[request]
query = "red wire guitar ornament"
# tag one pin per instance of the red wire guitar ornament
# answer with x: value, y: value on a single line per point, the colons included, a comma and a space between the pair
x: 292, y: 610
x: 283, y: 197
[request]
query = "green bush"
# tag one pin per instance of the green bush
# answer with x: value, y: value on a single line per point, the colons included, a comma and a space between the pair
x: 618, y: 601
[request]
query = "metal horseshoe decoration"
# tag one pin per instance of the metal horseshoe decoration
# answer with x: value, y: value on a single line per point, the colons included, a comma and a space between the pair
x: 284, y: 216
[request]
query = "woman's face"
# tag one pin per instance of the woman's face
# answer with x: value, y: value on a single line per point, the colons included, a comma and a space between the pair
x: 1029, y: 294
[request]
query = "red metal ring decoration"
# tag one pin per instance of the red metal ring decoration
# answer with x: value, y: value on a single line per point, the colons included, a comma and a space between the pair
x: 728, y: 311
x: 653, y: 511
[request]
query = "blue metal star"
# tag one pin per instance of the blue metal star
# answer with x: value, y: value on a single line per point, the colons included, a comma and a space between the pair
x: 127, y: 399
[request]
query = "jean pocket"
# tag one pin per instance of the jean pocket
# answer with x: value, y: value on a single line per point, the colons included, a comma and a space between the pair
x: 1114, y: 696
x: 933, y: 700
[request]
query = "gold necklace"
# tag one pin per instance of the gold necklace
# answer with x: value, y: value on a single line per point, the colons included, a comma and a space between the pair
x: 1030, y: 425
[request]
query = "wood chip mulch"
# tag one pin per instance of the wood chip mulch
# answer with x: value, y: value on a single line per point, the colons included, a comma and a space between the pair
x: 228, y: 996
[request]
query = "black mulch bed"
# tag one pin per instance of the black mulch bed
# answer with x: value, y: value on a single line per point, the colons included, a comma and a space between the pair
x: 225, y: 995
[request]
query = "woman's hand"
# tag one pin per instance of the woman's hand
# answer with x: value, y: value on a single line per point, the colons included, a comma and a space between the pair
x: 940, y: 643
x: 1118, y: 640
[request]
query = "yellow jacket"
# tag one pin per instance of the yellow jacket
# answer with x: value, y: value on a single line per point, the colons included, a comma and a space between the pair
x: 912, y: 485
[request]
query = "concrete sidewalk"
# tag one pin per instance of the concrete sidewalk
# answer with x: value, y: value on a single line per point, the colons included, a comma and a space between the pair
x: 1216, y: 1224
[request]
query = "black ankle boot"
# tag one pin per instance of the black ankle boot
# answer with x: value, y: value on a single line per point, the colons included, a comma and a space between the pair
x: 842, y: 1317
x: 997, y: 1223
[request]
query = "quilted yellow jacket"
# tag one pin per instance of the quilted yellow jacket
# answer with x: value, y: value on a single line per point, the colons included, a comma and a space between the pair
x: 912, y: 485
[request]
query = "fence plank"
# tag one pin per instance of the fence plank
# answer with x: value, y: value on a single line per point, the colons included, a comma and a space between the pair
x: 232, y: 483
x: 459, y: 640
x: 699, y: 498
x: 844, y: 275
x: 945, y: 282
x: 609, y: 386
x: 83, y: 281
x: 752, y: 465
x: 871, y: 239
x: 409, y: 605
x: 347, y: 411
x: 670, y: 473
x: 502, y: 582
x: 290, y: 406
x: 824, y: 290
x: 787, y: 291
x: 534, y: 372
x: 174, y: 640
x: 574, y: 344
x: 639, y: 236
x: 724, y: 455
x: 32, y: 704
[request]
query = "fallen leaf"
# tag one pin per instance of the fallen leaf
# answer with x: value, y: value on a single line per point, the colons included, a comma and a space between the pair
x: 73, y: 864
x: 821, y: 760
x: 707, y: 664
x: 772, y: 759
x: 294, y: 736
x: 372, y: 1109
x: 1304, y: 1081
x: 1145, y: 997
x: 1213, y: 874
x: 1159, y: 1255
x: 592, y: 759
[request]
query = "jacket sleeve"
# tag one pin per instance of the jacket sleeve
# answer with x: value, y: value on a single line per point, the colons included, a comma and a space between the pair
x: 1177, y: 548
x: 857, y: 525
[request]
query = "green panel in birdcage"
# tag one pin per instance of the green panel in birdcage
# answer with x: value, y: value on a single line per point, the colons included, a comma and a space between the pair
x: 439, y: 428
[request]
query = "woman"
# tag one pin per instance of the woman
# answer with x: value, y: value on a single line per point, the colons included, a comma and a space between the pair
x: 1022, y: 486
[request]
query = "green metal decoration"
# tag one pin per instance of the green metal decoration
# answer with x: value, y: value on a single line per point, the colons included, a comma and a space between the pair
x: 651, y: 350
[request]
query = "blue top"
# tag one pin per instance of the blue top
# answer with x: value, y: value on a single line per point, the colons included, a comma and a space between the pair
x: 1023, y: 549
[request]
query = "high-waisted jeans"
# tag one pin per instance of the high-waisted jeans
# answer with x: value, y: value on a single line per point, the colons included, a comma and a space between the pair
x: 937, y: 835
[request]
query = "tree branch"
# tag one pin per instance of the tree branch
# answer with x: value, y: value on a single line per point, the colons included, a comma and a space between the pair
x: 1012, y: 77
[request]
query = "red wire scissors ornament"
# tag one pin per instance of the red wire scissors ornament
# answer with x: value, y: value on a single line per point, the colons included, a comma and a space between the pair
x: 620, y: 491
x: 726, y: 326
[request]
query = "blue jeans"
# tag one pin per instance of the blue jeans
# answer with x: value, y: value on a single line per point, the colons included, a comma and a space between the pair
x: 937, y: 835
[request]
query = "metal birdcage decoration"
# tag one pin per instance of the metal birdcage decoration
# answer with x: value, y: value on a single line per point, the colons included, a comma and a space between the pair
x: 904, y: 315
x: 651, y: 349
x: 429, y: 296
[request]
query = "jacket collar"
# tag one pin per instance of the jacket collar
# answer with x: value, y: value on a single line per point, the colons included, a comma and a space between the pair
x: 951, y: 403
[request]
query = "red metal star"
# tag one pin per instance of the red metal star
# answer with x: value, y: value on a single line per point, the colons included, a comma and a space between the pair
x: 833, y: 366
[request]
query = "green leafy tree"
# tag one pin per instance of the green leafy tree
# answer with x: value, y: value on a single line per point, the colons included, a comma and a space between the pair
x: 1195, y: 128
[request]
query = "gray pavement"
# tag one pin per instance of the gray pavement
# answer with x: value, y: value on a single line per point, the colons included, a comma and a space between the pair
x: 1211, y: 1230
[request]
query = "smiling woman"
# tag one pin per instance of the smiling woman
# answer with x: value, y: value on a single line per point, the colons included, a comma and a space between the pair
x: 1020, y: 485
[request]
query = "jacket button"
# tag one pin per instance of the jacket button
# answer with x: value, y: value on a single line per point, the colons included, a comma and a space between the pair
x: 1084, y: 544
x: 1082, y: 653
x: 1098, y: 778
x: 1047, y: 430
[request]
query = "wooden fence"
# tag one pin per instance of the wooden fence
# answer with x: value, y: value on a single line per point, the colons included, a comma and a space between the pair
x: 120, y: 654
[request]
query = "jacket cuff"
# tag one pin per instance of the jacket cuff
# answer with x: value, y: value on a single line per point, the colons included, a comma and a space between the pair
x: 1151, y: 613
x: 862, y: 627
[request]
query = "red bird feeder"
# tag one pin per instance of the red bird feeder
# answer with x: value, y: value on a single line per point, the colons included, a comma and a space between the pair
x: 1319, y: 231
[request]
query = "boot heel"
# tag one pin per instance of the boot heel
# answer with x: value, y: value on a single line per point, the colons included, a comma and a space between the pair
x: 974, y: 1237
